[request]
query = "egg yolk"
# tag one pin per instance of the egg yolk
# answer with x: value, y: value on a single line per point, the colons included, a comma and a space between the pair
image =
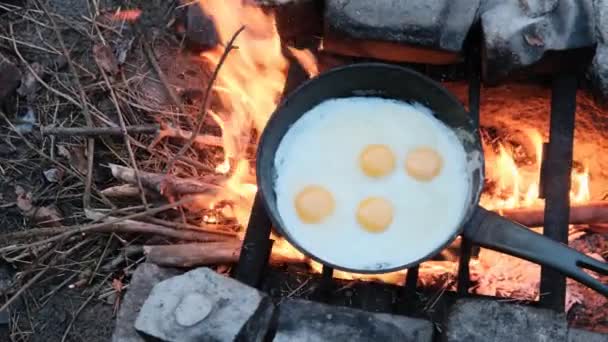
x: 375, y: 214
x: 423, y: 163
x: 377, y: 160
x: 313, y: 204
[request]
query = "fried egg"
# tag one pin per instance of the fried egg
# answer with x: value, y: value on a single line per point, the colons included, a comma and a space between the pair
x: 367, y: 183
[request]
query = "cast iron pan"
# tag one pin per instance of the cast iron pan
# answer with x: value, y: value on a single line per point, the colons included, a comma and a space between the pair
x: 483, y: 227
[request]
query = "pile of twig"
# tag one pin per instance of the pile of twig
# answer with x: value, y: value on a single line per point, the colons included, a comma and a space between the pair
x: 141, y: 214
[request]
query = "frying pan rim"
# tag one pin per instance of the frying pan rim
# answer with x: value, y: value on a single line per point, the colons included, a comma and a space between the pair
x: 276, y: 222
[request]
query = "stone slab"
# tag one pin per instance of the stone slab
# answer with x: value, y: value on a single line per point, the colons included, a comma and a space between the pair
x: 472, y: 320
x: 301, y: 320
x: 202, y: 305
x: 145, y: 277
x: 439, y: 24
x: 518, y: 33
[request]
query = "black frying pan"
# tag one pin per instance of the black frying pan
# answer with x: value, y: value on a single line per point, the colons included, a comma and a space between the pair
x: 483, y: 227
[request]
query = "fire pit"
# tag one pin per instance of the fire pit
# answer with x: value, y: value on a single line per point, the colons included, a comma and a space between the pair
x: 531, y: 74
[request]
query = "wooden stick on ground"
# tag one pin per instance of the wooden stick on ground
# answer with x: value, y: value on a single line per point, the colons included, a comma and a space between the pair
x: 97, y: 131
x: 86, y: 199
x: 132, y: 226
x: 160, y: 183
x: 201, y: 254
x: 588, y: 213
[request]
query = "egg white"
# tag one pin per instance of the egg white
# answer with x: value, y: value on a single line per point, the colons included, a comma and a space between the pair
x: 323, y: 148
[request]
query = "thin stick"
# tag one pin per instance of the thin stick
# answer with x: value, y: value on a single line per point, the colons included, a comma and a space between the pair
x: 132, y: 226
x: 92, y: 227
x: 165, y: 184
x: 203, y: 109
x: 161, y: 75
x: 53, y: 161
x: 35, y: 74
x: 35, y: 278
x: 97, y: 131
x: 125, y: 135
x: 84, y: 304
x: 86, y: 200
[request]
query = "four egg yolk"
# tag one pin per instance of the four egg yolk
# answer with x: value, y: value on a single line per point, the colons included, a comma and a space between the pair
x: 423, y: 163
x: 377, y: 160
x: 375, y: 214
x: 314, y: 203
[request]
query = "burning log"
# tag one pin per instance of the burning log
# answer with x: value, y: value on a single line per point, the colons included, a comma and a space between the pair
x: 588, y: 213
x: 166, y: 183
x: 200, y: 254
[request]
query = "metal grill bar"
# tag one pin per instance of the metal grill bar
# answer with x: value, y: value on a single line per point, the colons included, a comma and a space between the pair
x: 557, y: 167
x: 474, y: 78
x: 257, y: 246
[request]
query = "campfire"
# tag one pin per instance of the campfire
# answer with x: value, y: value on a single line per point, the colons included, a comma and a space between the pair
x: 249, y: 87
x: 190, y: 107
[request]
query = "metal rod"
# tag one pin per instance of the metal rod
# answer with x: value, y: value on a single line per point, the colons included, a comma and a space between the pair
x: 543, y: 169
x: 327, y: 282
x: 257, y: 246
x: 558, y: 166
x: 464, y: 280
x: 474, y: 76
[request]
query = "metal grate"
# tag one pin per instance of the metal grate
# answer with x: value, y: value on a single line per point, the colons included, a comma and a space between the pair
x: 555, y: 177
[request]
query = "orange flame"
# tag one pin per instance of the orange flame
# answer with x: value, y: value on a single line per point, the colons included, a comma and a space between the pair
x: 249, y: 87
x: 517, y: 185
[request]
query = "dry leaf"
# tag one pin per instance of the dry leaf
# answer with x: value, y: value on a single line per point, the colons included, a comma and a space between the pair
x: 104, y: 56
x: 24, y: 199
x: 76, y: 157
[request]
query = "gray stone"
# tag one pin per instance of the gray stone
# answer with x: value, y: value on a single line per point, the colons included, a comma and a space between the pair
x: 192, y: 309
x: 440, y: 24
x: 577, y: 335
x: 237, y: 311
x: 143, y: 280
x: 301, y: 320
x: 600, y: 8
x: 598, y: 72
x: 517, y: 33
x: 473, y: 320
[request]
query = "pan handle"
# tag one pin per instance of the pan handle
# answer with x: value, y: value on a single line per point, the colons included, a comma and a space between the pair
x: 493, y: 231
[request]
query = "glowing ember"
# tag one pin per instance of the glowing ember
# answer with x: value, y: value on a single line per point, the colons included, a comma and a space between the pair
x: 126, y: 15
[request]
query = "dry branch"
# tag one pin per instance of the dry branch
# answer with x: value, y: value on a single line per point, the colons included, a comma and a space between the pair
x: 588, y: 213
x: 122, y: 191
x: 196, y: 254
x: 200, y: 254
x: 162, y: 184
x: 97, y: 131
x: 138, y: 227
